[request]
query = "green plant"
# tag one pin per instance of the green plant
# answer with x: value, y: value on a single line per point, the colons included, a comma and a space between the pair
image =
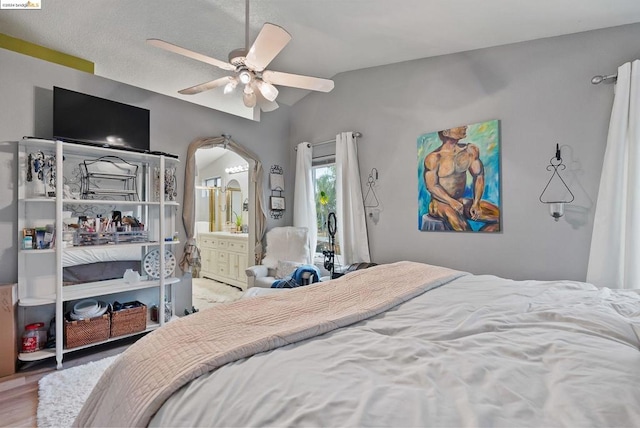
x: 324, y: 199
x: 238, y: 220
x: 325, y: 187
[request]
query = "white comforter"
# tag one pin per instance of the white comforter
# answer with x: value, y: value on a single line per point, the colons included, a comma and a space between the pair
x: 479, y: 351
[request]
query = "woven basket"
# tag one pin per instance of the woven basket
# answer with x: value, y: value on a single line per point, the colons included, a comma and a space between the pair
x: 84, y: 332
x: 129, y: 321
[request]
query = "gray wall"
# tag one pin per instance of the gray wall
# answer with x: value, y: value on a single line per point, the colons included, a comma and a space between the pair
x: 542, y: 95
x: 539, y: 90
x: 26, y: 100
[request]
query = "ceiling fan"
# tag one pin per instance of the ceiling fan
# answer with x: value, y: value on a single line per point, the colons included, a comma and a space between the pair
x: 249, y: 64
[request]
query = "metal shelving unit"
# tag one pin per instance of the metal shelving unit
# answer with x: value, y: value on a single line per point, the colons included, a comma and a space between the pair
x: 40, y: 202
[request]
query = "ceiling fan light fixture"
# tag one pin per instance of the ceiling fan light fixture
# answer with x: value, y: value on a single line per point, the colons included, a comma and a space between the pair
x: 268, y: 91
x: 249, y: 66
x: 245, y: 77
x: 230, y: 87
x: 249, y: 98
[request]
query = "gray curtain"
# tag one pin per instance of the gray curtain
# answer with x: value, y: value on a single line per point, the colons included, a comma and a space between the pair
x: 188, y: 211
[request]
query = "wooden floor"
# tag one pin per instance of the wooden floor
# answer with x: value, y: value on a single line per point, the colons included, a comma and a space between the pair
x: 19, y: 392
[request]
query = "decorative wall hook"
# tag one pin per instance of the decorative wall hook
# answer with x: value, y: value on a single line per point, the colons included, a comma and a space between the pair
x: 556, y: 206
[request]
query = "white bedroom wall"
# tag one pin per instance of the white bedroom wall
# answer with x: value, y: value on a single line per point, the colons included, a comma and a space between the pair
x: 542, y: 95
x: 26, y: 103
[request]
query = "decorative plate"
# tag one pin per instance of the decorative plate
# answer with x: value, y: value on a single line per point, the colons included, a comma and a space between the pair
x: 151, y: 263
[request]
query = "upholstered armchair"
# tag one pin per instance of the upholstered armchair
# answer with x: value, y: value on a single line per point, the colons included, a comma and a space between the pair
x: 287, y: 248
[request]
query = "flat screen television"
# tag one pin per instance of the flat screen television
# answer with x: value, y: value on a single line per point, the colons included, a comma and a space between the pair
x: 82, y: 118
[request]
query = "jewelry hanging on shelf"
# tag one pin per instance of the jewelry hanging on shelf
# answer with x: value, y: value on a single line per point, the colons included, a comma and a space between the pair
x: 42, y: 168
x: 36, y: 165
x: 29, y: 167
x: 556, y: 207
x: 50, y: 164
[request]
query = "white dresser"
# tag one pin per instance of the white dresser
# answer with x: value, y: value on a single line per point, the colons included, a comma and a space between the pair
x: 224, y: 257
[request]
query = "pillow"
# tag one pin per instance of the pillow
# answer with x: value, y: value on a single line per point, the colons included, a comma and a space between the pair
x: 286, y: 243
x: 286, y: 268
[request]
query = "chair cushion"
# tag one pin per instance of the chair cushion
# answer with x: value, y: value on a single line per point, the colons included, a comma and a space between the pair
x: 286, y: 243
x: 286, y: 268
x: 264, y: 281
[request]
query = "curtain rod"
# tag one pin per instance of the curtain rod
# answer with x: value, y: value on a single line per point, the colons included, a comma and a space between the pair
x: 599, y: 78
x: 356, y: 134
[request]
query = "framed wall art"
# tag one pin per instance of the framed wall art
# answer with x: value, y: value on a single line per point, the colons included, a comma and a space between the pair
x: 277, y: 203
x: 459, y: 179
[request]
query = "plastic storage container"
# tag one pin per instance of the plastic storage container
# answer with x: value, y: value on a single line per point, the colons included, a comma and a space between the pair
x: 33, y: 338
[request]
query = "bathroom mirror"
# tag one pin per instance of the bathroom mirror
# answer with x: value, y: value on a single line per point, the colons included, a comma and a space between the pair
x: 234, y: 201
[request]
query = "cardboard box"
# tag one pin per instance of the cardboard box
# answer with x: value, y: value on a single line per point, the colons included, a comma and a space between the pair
x: 8, y: 333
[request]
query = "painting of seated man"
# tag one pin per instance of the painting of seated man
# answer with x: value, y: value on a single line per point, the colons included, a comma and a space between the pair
x: 459, y: 179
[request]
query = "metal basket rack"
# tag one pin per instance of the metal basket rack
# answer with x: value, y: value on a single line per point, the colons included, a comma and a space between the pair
x: 109, y: 177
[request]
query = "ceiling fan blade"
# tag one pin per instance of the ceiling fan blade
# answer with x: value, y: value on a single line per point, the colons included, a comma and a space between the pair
x: 270, y: 41
x: 297, y: 81
x: 206, y: 86
x: 190, y: 54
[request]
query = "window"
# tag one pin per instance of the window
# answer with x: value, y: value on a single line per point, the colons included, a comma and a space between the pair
x: 211, y: 182
x: 324, y: 180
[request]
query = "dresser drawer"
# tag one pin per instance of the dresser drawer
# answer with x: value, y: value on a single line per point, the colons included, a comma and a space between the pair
x: 237, y: 246
x: 208, y: 242
x: 223, y: 270
x: 222, y: 244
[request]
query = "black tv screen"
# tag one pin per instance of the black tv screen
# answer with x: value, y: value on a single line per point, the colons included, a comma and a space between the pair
x: 83, y: 118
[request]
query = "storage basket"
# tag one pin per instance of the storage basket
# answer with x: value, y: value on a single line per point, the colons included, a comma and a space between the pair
x: 84, y: 332
x: 129, y: 320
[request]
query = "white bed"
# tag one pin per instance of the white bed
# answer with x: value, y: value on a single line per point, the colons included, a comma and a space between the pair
x: 466, y: 351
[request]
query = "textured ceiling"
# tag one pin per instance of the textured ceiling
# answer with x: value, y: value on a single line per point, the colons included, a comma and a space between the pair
x: 329, y: 36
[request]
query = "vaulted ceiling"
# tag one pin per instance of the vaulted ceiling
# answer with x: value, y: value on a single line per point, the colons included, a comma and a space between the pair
x: 329, y: 36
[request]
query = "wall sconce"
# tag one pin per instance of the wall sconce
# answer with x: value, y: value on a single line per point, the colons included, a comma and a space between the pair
x: 556, y: 207
x: 371, y: 202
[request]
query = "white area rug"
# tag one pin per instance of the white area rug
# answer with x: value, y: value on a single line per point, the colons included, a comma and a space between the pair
x: 61, y: 394
x: 207, y: 293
